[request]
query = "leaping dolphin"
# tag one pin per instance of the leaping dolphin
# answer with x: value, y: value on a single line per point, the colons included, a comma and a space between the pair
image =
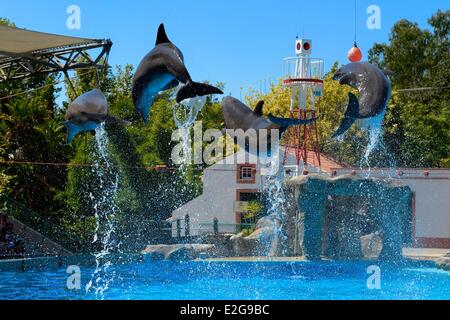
x: 237, y: 115
x: 162, y: 69
x: 374, y: 88
x: 86, y: 113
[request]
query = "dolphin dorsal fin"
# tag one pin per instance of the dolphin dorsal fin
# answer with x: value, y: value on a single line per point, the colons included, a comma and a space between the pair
x: 259, y: 108
x: 162, y: 36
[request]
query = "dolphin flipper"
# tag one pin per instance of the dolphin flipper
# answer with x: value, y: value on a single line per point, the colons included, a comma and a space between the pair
x: 353, y: 106
x: 346, y: 123
x: 144, y: 105
x: 351, y: 114
x: 72, y: 130
x: 172, y: 84
x: 194, y: 89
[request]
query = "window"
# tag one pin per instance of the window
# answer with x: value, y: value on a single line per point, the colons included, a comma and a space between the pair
x: 246, y: 173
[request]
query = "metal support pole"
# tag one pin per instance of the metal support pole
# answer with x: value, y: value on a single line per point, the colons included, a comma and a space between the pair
x: 187, y: 231
x: 216, y: 226
x: 97, y: 78
x: 66, y: 74
x: 178, y: 228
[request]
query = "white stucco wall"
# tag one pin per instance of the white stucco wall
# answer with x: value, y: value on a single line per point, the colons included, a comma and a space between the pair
x: 219, y: 195
x: 217, y: 201
x: 432, y: 207
x: 432, y: 198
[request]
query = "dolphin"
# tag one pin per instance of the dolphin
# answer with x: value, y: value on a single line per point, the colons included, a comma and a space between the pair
x: 237, y: 115
x: 86, y: 113
x: 374, y: 88
x: 162, y: 69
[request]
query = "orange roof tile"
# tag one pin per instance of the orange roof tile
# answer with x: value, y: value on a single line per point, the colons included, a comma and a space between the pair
x: 327, y: 164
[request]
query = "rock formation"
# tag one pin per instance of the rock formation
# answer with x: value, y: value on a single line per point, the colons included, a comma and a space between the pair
x: 444, y: 262
x: 350, y: 217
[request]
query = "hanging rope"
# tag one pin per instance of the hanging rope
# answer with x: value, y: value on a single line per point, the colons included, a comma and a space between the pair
x: 355, y: 22
x: 423, y: 89
x: 86, y: 165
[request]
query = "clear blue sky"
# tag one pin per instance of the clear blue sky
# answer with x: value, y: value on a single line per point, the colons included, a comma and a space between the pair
x: 238, y: 42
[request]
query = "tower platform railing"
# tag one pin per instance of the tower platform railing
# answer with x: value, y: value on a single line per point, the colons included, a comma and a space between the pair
x: 303, y: 66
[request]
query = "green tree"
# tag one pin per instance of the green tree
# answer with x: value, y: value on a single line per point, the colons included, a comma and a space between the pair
x: 417, y: 122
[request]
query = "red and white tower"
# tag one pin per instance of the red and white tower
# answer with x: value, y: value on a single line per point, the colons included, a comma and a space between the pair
x: 303, y: 76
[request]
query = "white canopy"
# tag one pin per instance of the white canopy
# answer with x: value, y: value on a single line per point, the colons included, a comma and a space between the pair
x: 24, y: 53
x: 15, y: 41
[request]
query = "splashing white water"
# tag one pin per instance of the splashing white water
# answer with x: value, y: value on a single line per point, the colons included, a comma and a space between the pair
x: 105, y: 209
x: 273, y: 180
x: 374, y: 129
x: 185, y: 114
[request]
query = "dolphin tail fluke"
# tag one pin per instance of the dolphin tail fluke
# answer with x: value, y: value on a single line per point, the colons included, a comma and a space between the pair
x: 72, y: 131
x: 285, y: 123
x: 351, y: 114
x: 195, y: 89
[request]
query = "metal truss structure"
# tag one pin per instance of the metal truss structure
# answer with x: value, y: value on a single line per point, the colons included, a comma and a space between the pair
x: 59, y: 59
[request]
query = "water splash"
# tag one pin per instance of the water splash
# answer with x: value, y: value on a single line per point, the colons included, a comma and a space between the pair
x: 185, y: 114
x: 374, y: 128
x: 376, y: 143
x: 272, y: 185
x: 105, y: 209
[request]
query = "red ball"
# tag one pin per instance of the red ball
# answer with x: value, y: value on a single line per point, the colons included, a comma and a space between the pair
x: 355, y: 55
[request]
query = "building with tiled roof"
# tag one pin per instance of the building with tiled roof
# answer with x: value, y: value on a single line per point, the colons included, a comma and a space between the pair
x: 230, y: 184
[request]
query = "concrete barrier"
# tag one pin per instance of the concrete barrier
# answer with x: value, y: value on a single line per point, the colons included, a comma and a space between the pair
x: 13, y: 265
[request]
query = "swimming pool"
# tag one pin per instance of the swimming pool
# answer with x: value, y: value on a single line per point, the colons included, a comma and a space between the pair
x: 166, y: 280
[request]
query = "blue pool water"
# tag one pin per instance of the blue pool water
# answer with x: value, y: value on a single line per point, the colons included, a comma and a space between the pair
x: 237, y: 280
